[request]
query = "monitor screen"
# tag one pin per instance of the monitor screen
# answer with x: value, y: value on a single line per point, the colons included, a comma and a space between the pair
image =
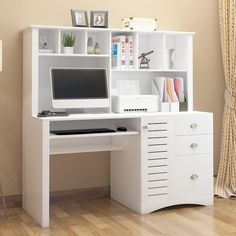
x: 74, y: 83
x: 79, y: 88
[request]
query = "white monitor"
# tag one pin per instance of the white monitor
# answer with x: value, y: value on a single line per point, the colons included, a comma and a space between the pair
x: 79, y: 88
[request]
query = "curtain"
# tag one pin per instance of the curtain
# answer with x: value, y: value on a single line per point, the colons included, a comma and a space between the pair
x: 226, y: 179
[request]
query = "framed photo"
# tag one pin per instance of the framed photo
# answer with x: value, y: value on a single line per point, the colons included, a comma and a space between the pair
x: 99, y: 19
x: 79, y: 18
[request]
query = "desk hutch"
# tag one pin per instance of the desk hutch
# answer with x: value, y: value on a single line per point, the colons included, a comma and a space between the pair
x: 163, y: 159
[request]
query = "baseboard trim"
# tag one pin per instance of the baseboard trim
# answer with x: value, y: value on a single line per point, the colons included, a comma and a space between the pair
x: 80, y: 194
x: 56, y: 196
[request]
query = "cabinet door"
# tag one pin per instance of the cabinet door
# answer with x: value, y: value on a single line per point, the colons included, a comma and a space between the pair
x: 191, y: 178
x: 155, y: 161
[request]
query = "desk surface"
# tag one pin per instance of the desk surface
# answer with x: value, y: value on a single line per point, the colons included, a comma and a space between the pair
x: 90, y: 116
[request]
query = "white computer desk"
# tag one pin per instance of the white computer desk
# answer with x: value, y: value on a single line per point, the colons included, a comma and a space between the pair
x: 151, y: 164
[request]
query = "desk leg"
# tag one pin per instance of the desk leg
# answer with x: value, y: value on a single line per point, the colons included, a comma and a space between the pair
x: 36, y: 170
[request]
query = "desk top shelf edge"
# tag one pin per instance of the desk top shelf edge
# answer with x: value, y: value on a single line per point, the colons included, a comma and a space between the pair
x: 50, y: 27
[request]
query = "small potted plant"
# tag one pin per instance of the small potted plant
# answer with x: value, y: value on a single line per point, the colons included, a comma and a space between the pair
x: 68, y: 43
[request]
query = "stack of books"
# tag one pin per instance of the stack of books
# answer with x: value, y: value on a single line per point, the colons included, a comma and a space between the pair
x: 123, y: 52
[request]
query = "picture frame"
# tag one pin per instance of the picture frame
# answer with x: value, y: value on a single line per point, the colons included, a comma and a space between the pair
x: 99, y: 19
x: 79, y: 18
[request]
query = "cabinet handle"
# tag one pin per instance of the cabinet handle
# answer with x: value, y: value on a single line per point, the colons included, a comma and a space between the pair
x: 194, y: 145
x: 193, y: 126
x: 145, y: 127
x: 193, y: 177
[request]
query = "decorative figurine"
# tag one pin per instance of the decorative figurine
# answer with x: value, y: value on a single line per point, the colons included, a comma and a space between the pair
x: 171, y: 62
x: 97, y: 48
x: 144, y: 62
x: 90, y: 48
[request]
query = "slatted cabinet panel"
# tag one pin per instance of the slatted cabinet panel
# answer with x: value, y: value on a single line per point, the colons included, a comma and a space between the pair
x: 155, y: 162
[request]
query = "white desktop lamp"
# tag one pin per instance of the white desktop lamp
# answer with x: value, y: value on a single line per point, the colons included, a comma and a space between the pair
x: 0, y: 55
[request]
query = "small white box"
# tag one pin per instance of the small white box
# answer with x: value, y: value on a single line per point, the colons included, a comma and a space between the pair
x: 135, y: 103
x: 174, y: 106
x: 134, y: 23
x: 164, y: 107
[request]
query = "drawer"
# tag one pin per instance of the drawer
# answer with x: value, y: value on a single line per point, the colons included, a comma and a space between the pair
x: 193, y: 124
x: 191, y: 178
x: 193, y: 145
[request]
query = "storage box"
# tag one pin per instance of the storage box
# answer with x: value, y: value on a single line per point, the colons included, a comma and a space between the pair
x: 134, y: 23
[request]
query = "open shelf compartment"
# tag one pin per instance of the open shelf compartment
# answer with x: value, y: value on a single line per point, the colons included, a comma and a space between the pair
x: 48, y: 41
x: 176, y: 49
x: 94, y: 142
x: 145, y: 80
x: 102, y: 38
x: 127, y: 52
x: 152, y: 42
x: 80, y: 40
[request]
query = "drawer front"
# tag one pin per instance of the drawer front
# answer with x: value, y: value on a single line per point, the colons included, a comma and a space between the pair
x: 193, y: 145
x: 193, y: 124
x: 191, y: 177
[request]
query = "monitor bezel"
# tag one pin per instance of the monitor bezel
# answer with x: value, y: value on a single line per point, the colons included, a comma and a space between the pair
x: 79, y: 102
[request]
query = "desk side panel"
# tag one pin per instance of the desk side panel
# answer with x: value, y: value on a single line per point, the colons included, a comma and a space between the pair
x: 35, y: 138
x: 36, y: 169
x: 125, y: 170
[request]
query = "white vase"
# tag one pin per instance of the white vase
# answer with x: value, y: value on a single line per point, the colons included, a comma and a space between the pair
x: 68, y: 50
x: 171, y: 58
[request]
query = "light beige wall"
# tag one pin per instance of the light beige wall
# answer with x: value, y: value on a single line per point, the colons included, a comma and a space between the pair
x: 87, y: 170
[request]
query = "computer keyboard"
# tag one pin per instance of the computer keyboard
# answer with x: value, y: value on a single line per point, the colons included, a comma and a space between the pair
x: 52, y: 113
x: 82, y: 131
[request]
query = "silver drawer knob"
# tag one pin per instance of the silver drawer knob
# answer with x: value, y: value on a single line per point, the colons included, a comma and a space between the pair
x: 193, y: 126
x: 193, y: 177
x: 145, y: 127
x: 194, y: 145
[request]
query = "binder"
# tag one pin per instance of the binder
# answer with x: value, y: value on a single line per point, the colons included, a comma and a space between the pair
x: 179, y: 88
x: 129, y: 54
x: 168, y: 98
x: 118, y: 52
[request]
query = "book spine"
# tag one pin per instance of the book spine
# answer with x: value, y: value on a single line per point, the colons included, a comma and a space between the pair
x: 122, y: 53
x: 131, y: 52
x: 116, y: 61
x: 118, y: 52
x: 127, y: 52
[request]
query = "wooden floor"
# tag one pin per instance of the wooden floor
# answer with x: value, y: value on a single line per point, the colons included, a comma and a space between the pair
x: 106, y: 217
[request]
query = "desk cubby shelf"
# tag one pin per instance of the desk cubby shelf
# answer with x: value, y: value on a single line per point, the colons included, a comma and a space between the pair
x: 86, y: 142
x: 71, y: 55
x: 150, y: 70
x: 75, y: 136
x: 161, y: 42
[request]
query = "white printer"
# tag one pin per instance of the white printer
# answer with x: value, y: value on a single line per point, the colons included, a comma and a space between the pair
x: 135, y: 103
